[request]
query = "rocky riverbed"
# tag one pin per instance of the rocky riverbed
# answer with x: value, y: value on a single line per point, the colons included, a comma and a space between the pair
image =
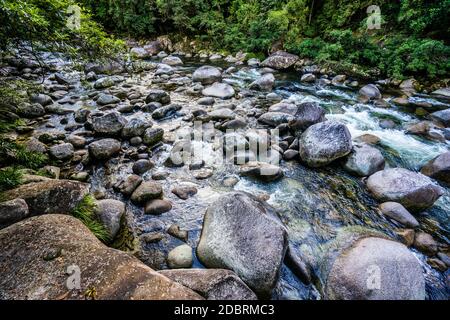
x: 344, y: 197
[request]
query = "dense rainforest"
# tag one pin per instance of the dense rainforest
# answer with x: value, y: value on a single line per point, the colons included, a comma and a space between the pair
x: 224, y: 150
x: 412, y: 38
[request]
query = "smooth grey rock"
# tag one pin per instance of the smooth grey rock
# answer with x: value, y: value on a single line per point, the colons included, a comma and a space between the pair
x: 62, y: 151
x: 280, y: 60
x: 172, y: 61
x: 184, y: 192
x: 42, y: 99
x: 109, y: 124
x: 244, y: 235
x: 157, y: 207
x: 425, y: 243
x: 306, y: 114
x: 157, y: 95
x: 180, y: 258
x: 135, y: 127
x: 219, y: 90
x: 364, y: 160
x: 325, y: 142
x: 274, y: 119
x: 373, y: 268
x: 212, y: 284
x: 414, y: 191
x: 13, y: 211
x: 438, y: 168
x: 399, y: 213
x: 166, y: 111
x: 142, y: 166
x: 127, y: 185
x: 147, y: 190
x: 110, y: 212
x: 370, y: 91
x: 105, y: 99
x: 264, y: 83
x: 442, y: 116
x: 207, y: 75
x: 104, y: 149
x: 308, y: 77
x: 152, y: 136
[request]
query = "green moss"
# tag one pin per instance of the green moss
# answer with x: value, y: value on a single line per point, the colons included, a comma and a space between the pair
x: 85, y: 212
x: 10, y: 178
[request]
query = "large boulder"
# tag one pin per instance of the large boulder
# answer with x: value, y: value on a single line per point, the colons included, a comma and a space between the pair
x: 442, y: 117
x: 397, y: 212
x: 43, y: 258
x: 109, y: 212
x: 439, y: 168
x: 244, y: 235
x: 325, y: 142
x: 109, y: 124
x: 13, y: 211
x: 207, y: 75
x: 49, y: 196
x: 265, y: 83
x: 307, y: 114
x: 414, y: 191
x: 280, y: 60
x: 212, y: 284
x: 362, y: 267
x: 364, y: 160
x: 30, y: 110
x: 370, y: 91
x: 104, y: 149
x: 219, y: 90
x: 274, y: 119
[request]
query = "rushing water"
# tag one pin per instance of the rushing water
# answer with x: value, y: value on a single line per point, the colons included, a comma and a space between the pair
x: 314, y: 204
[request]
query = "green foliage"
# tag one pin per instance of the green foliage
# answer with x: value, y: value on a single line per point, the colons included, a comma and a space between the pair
x: 85, y: 212
x: 10, y: 178
x: 16, y: 154
x: 44, y: 23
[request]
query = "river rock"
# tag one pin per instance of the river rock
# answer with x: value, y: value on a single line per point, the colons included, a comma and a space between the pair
x: 106, y: 99
x: 364, y: 160
x: 306, y: 114
x: 172, y: 61
x: 127, y: 185
x: 398, y: 213
x: 308, y: 77
x: 244, y: 235
x: 164, y: 69
x: 110, y: 212
x: 425, y: 243
x: 13, y: 211
x: 180, y: 258
x: 76, y: 141
x: 261, y: 171
x: 104, y: 149
x: 370, y: 91
x: 442, y: 117
x: 280, y: 60
x: 212, y: 284
x: 139, y: 53
x: 109, y: 124
x: 443, y: 92
x: 41, y: 252
x: 157, y: 207
x: 166, y: 111
x: 135, y: 127
x: 154, y: 47
x: 30, y: 110
x: 219, y: 90
x: 414, y: 191
x: 274, y: 119
x: 42, y: 99
x: 439, y: 168
x: 325, y: 142
x: 157, y: 95
x: 147, y: 190
x: 371, y: 268
x: 184, y: 192
x: 265, y: 83
x: 62, y: 151
x: 152, y: 136
x: 104, y: 83
x: 142, y: 166
x: 222, y: 114
x: 207, y: 75
x: 49, y: 196
x: 34, y: 145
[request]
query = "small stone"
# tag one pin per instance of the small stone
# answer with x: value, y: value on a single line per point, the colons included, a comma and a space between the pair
x: 425, y: 243
x: 398, y: 213
x: 142, y: 166
x: 406, y: 236
x: 437, y: 264
x: 128, y: 185
x: 157, y: 207
x: 62, y: 151
x: 176, y: 232
x: 203, y: 174
x: 180, y: 257
x: 184, y: 192
x: 147, y: 190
